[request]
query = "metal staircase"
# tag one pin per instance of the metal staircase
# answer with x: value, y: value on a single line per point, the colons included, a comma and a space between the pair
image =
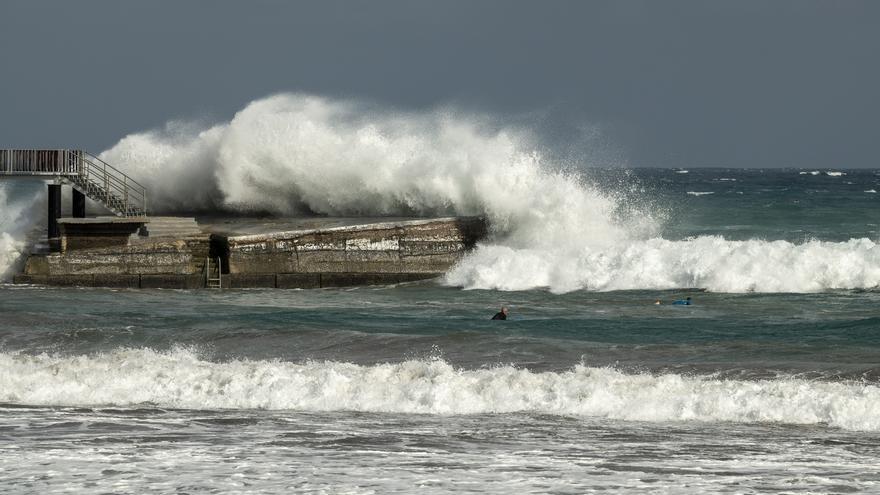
x: 85, y: 172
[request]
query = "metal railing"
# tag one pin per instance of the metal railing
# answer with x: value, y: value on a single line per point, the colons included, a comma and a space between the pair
x: 94, y: 177
x: 114, y: 187
x: 213, y: 282
x: 39, y: 162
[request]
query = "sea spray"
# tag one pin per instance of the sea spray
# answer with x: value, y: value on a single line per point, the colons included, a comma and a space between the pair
x: 294, y: 154
x: 181, y: 379
x: 18, y: 211
x: 299, y: 154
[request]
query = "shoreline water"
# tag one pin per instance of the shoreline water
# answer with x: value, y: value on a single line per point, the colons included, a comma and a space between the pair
x: 138, y: 390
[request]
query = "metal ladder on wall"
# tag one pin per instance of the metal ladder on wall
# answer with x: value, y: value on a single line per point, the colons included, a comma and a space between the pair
x: 92, y: 176
x: 213, y: 273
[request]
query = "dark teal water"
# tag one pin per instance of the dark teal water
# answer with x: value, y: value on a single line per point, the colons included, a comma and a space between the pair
x: 829, y: 335
x: 787, y: 204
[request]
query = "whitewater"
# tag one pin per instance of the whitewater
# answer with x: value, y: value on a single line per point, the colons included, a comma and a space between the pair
x: 182, y: 380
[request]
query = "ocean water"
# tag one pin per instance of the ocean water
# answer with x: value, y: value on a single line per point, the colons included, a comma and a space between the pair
x: 769, y: 382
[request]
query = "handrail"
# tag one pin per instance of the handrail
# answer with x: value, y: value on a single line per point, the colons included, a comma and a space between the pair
x: 208, y: 270
x: 96, y: 178
x: 111, y: 167
x: 40, y: 162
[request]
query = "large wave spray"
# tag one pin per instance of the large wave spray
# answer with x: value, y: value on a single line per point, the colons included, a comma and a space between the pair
x: 291, y: 154
x: 180, y: 379
x: 17, y: 215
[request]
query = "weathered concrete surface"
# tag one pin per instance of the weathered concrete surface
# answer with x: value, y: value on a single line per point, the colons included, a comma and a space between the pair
x: 171, y: 227
x: 427, y: 247
x: 180, y: 257
x: 377, y: 253
x: 101, y: 232
x: 158, y: 281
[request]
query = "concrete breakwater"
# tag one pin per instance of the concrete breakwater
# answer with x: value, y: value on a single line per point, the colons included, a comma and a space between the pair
x: 173, y: 252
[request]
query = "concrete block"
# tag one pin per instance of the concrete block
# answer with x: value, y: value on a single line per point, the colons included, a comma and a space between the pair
x: 71, y: 280
x: 36, y: 265
x: 429, y: 248
x: 90, y: 233
x: 355, y: 279
x: 172, y: 281
x: 414, y: 277
x: 116, y: 281
x: 30, y: 279
x: 269, y: 263
x: 250, y: 280
x: 298, y: 280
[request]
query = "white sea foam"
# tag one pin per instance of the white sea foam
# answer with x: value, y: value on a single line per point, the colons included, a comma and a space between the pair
x: 181, y: 379
x: 812, y: 172
x: 709, y: 262
x: 832, y: 173
x: 871, y: 191
x: 16, y: 217
x: 289, y: 154
x: 700, y: 193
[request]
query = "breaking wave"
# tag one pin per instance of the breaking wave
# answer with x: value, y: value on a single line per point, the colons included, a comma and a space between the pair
x: 181, y: 379
x: 294, y: 154
x: 708, y: 262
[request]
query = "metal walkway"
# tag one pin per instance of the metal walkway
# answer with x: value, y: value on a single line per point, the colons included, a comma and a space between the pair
x: 85, y: 172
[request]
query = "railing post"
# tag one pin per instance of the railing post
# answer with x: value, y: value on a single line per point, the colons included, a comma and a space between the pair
x: 54, y: 212
x: 106, y: 185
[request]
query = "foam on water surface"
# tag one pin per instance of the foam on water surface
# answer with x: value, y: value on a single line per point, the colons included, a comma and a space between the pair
x: 181, y: 379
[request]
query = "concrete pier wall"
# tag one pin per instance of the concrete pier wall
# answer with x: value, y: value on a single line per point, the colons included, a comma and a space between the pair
x: 174, y: 264
x: 365, y: 254
x: 420, y: 246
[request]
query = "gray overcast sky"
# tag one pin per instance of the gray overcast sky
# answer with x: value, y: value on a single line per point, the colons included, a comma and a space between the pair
x: 670, y: 83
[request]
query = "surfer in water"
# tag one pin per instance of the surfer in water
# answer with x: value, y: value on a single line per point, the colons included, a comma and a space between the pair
x: 501, y: 315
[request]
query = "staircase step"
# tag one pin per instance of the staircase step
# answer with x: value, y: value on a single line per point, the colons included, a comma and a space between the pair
x: 171, y: 227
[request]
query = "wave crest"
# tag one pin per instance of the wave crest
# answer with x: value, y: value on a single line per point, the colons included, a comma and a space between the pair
x: 708, y: 262
x: 181, y: 379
